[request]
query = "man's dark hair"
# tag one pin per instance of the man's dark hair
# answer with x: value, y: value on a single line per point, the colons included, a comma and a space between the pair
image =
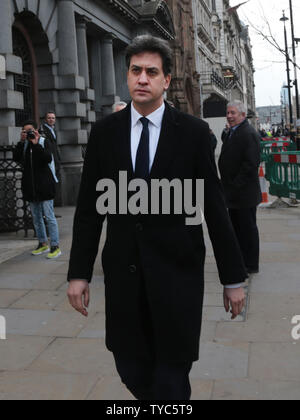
x: 30, y: 122
x: 49, y: 112
x: 149, y: 43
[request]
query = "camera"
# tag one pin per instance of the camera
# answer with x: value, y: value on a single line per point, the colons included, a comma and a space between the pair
x: 30, y: 135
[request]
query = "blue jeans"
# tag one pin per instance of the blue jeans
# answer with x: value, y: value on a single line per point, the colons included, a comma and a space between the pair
x: 39, y: 210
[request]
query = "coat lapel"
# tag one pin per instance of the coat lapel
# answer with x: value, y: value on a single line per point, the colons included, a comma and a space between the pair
x: 167, y: 145
x: 121, y: 141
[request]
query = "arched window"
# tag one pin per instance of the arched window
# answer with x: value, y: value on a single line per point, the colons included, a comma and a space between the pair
x: 26, y: 82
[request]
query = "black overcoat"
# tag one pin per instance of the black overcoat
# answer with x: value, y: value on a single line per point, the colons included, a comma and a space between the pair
x: 239, y: 162
x: 38, y: 183
x: 154, y: 262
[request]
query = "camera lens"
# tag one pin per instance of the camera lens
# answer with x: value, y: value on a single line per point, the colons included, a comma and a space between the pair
x: 30, y: 135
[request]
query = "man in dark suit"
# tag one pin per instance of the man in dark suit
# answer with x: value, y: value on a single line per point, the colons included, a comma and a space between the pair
x: 239, y: 162
x: 153, y: 263
x: 49, y: 132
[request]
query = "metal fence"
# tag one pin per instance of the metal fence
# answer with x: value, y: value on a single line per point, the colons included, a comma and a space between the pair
x: 14, y: 211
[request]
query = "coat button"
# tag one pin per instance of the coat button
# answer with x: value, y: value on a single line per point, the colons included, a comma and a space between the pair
x: 132, y: 268
x: 139, y: 227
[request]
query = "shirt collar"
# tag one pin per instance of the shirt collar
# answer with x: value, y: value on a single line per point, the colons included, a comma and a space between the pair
x: 49, y: 126
x: 155, y: 117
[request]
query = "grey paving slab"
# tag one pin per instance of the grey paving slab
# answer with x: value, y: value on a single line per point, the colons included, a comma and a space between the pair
x: 39, y: 300
x: 277, y: 277
x: 80, y: 356
x: 208, y: 330
x: 18, y: 352
x: 35, y: 386
x: 217, y: 313
x: 213, y: 299
x: 221, y: 360
x: 43, y: 323
x: 275, y: 361
x: 12, y: 248
x: 19, y: 280
x: 250, y: 389
x: 110, y: 388
x: 95, y: 327
x: 273, y: 306
x: 8, y: 297
x: 30, y: 265
x: 277, y: 330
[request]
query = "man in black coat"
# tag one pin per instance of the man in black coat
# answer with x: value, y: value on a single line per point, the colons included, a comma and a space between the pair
x: 153, y: 263
x: 239, y: 162
x: 48, y: 131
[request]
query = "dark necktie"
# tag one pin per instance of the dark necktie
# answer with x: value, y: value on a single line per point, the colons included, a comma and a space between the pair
x: 142, y: 156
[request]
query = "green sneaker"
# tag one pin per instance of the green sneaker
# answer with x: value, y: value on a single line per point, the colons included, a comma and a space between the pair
x: 54, y: 252
x: 41, y: 249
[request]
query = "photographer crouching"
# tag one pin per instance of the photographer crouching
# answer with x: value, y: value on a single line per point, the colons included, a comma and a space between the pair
x: 33, y: 152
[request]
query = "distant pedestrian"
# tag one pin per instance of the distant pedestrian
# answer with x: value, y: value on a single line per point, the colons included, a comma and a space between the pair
x: 48, y: 130
x: 34, y: 153
x: 239, y: 162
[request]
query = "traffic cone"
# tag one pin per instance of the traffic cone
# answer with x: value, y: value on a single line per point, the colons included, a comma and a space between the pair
x: 263, y: 185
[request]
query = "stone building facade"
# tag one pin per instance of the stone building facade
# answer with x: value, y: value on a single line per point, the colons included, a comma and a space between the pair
x: 224, y: 61
x: 68, y: 56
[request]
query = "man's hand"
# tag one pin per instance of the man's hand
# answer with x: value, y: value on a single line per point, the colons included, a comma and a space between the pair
x: 79, y: 295
x: 234, y: 299
x: 37, y: 137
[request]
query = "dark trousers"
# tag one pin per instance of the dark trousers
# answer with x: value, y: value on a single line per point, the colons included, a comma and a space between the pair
x: 149, y: 380
x: 244, y: 224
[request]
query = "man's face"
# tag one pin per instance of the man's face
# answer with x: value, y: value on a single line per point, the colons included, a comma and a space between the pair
x: 50, y: 119
x: 234, y: 117
x: 146, y: 81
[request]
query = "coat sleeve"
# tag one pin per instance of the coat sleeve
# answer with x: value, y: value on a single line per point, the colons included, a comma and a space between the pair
x: 225, y: 245
x: 41, y: 155
x: 18, y: 152
x: 250, y: 161
x: 88, y: 223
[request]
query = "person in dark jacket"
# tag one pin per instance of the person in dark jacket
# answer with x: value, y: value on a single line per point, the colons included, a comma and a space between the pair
x: 48, y: 131
x: 239, y: 163
x: 34, y: 153
x: 153, y: 263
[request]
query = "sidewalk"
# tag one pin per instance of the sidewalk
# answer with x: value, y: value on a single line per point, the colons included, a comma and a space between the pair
x: 51, y: 352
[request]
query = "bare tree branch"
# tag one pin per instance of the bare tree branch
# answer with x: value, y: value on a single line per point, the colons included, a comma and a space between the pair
x: 270, y: 37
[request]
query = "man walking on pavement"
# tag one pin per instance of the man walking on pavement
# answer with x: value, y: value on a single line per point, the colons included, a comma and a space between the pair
x: 239, y: 162
x: 153, y: 263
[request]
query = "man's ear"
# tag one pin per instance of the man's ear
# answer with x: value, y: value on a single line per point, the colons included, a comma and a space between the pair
x: 168, y: 79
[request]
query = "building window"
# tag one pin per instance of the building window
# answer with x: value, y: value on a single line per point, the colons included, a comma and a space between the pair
x: 23, y: 82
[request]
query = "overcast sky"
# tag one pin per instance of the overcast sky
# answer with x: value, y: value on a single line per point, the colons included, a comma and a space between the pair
x: 269, y: 63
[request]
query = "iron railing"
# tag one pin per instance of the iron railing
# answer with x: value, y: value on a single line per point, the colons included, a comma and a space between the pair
x: 14, y: 211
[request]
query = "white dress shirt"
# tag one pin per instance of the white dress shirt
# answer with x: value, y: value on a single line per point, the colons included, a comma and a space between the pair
x: 155, y: 122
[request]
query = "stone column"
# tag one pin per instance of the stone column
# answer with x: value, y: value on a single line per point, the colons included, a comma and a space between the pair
x: 108, y: 74
x: 88, y: 95
x: 69, y: 108
x: 9, y: 99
